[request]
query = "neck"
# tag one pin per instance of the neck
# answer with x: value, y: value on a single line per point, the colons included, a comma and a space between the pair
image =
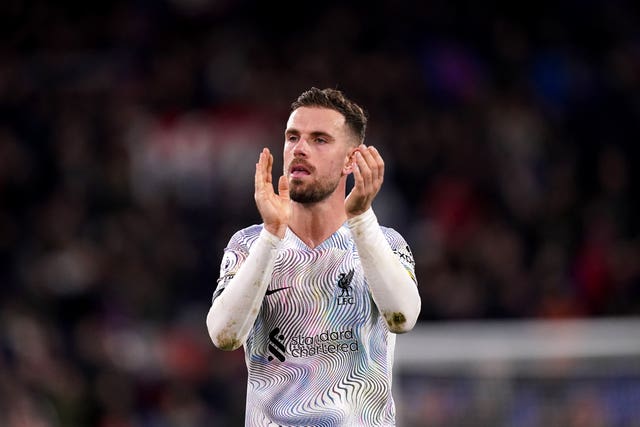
x: 314, y: 223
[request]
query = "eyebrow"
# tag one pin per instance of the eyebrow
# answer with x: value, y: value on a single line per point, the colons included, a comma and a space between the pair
x: 317, y: 133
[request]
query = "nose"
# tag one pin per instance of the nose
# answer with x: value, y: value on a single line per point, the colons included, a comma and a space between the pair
x: 301, y: 148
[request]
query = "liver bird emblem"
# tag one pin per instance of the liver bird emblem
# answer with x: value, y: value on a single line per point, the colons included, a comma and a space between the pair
x: 344, y: 282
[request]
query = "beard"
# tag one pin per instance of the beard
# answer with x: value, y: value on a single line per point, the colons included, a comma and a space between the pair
x: 313, y: 192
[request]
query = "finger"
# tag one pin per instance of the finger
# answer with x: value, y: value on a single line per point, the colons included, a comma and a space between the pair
x: 258, y: 181
x: 365, y: 170
x: 283, y: 187
x: 262, y: 177
x: 379, y: 164
x: 368, y: 156
x: 269, y: 166
x: 358, y: 179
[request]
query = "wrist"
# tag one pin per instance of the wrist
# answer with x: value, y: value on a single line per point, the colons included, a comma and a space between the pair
x: 276, y: 232
x: 353, y: 212
x: 362, y: 219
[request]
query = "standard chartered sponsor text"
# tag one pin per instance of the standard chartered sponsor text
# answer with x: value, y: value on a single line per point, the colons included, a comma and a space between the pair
x: 327, y: 342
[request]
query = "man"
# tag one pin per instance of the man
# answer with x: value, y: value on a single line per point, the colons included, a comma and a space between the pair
x: 318, y: 290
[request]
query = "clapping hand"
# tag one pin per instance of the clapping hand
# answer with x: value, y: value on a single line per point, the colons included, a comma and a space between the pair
x: 275, y: 209
x: 368, y: 172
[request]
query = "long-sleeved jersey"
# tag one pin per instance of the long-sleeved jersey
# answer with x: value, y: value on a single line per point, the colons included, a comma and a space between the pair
x: 319, y: 352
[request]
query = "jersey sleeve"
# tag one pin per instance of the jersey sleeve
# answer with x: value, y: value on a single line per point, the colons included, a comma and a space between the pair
x: 234, y: 256
x: 401, y: 249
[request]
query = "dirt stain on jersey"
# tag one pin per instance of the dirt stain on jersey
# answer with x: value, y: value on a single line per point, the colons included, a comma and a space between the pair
x: 227, y: 340
x: 395, y: 320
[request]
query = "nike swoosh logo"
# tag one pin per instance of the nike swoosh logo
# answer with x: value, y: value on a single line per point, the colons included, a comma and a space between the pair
x: 273, y: 291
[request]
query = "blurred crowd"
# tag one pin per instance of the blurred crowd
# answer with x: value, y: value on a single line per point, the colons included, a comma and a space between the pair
x: 129, y: 131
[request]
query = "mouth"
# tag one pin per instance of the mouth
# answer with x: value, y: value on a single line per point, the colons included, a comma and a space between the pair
x: 299, y: 169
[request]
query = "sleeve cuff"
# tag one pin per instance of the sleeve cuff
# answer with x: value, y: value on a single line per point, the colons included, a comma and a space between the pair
x: 270, y: 239
x: 362, y: 220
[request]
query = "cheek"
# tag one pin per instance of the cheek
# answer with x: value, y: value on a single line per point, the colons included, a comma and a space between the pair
x: 287, y: 155
x: 338, y: 167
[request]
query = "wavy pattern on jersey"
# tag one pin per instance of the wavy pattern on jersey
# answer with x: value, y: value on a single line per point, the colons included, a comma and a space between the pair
x: 296, y: 404
x: 287, y: 404
x: 312, y: 276
x: 302, y: 304
x: 349, y: 388
x: 235, y: 254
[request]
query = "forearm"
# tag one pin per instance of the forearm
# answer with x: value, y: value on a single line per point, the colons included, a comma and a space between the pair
x: 234, y: 311
x: 392, y: 288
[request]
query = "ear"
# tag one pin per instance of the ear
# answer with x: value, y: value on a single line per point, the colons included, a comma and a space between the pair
x: 348, y: 164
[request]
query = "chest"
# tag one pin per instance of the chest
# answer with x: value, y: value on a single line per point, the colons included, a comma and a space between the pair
x: 323, y: 284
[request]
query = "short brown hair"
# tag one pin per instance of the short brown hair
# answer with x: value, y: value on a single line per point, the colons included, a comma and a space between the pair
x: 354, y: 115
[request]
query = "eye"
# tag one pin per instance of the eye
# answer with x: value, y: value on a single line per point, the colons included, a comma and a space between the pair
x: 292, y: 138
x: 321, y: 140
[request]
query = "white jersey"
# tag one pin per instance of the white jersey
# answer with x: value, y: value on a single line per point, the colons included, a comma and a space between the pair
x: 319, y: 353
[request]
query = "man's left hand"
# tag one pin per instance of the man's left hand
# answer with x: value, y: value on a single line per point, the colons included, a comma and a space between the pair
x: 368, y: 172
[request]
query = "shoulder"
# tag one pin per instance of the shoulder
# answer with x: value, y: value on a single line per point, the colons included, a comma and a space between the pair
x: 393, y: 237
x: 244, y: 238
x: 398, y: 244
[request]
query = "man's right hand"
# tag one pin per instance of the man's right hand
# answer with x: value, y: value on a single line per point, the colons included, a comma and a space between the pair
x: 275, y: 209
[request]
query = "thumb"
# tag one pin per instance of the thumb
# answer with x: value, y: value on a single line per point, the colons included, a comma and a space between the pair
x: 283, y: 187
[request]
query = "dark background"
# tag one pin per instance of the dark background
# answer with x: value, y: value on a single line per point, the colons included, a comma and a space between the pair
x: 129, y: 131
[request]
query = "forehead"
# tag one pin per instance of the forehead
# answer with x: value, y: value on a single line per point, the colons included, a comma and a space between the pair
x: 315, y: 119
